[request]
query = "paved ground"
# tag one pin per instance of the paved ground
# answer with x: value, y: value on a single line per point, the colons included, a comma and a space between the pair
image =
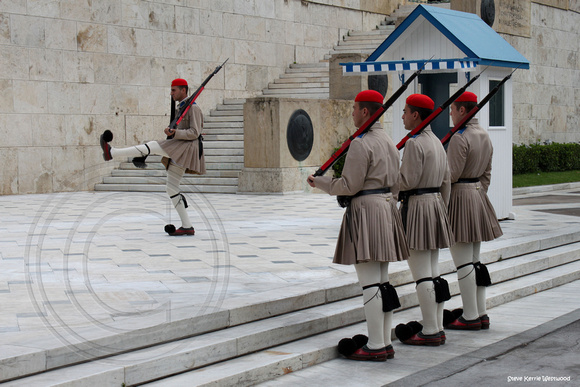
x: 72, y: 261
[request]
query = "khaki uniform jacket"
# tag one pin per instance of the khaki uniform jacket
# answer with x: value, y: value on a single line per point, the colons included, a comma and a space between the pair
x: 471, y: 214
x: 371, y: 228
x: 183, y: 148
x: 425, y: 165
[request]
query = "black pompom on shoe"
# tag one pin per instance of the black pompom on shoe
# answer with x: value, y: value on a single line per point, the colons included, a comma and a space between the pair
x: 360, y: 340
x: 107, y: 136
x: 170, y: 229
x: 405, y: 331
x: 347, y: 347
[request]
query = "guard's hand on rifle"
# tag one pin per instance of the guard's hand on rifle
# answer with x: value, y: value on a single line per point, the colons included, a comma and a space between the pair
x: 169, y: 131
x: 310, y: 181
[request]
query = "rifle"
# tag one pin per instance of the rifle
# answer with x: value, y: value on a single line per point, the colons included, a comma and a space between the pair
x: 436, y: 112
x: 189, y: 101
x: 370, y: 122
x: 473, y: 111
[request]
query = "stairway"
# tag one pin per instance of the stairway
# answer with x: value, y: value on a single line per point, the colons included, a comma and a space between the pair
x: 260, y: 341
x: 224, y: 141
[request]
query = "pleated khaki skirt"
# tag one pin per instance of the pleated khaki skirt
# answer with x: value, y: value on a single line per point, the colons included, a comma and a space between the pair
x: 471, y: 214
x: 428, y: 225
x: 184, y: 153
x: 371, y: 230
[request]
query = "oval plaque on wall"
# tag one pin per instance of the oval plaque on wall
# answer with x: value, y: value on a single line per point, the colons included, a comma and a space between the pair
x: 379, y: 83
x: 300, y: 135
x: 488, y: 11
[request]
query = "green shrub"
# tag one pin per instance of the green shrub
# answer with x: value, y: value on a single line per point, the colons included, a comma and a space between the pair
x: 554, y: 157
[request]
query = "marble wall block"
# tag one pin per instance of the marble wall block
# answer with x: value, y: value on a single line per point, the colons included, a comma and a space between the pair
x: 210, y: 23
x: 92, y: 37
x: 48, y: 130
x: 125, y: 100
x: 35, y: 170
x: 162, y: 16
x: 63, y: 98
x: 235, y: 77
x: 45, y: 65
x: 68, y: 166
x: 345, y: 87
x: 6, y: 96
x: 27, y: 31
x: 201, y: 48
x: 30, y: 97
x: 15, y: 130
x: 78, y: 67
x: 256, y: 78
x: 107, y: 68
x: 14, y: 62
x: 61, y: 34
x: 9, y: 171
x: 80, y: 130
x: 95, y: 99
x: 255, y: 29
x: 136, y: 70
x: 154, y: 101
x: 4, y: 28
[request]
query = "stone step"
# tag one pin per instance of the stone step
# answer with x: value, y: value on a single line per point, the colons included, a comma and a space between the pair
x: 227, y: 113
x: 313, y: 355
x: 313, y: 90
x: 299, y: 95
x: 314, y: 72
x: 163, y: 174
x: 234, y: 101
x: 370, y: 33
x: 360, y: 42
x: 283, y: 79
x: 236, y: 118
x: 223, y: 137
x: 230, y: 124
x: 237, y: 106
x: 132, y: 180
x: 325, y: 309
x: 223, y: 189
x: 222, y: 130
x: 318, y: 65
x: 303, y: 85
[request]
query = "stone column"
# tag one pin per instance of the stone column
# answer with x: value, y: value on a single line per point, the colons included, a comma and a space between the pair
x: 269, y: 163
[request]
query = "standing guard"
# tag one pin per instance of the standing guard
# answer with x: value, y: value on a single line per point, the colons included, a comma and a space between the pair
x: 424, y: 194
x: 371, y: 233
x: 473, y: 219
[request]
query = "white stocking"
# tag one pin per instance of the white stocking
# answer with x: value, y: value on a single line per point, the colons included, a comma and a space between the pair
x: 420, y: 264
x: 174, y: 175
x: 435, y: 273
x: 378, y: 322
x: 462, y: 254
x: 481, y: 292
x: 139, y: 150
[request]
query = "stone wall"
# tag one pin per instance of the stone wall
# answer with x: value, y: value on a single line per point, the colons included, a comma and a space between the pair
x: 547, y: 96
x: 71, y: 69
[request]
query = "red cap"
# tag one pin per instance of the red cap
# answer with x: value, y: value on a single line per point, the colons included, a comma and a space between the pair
x: 369, y: 96
x: 420, y: 101
x: 468, y: 96
x: 179, y: 82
